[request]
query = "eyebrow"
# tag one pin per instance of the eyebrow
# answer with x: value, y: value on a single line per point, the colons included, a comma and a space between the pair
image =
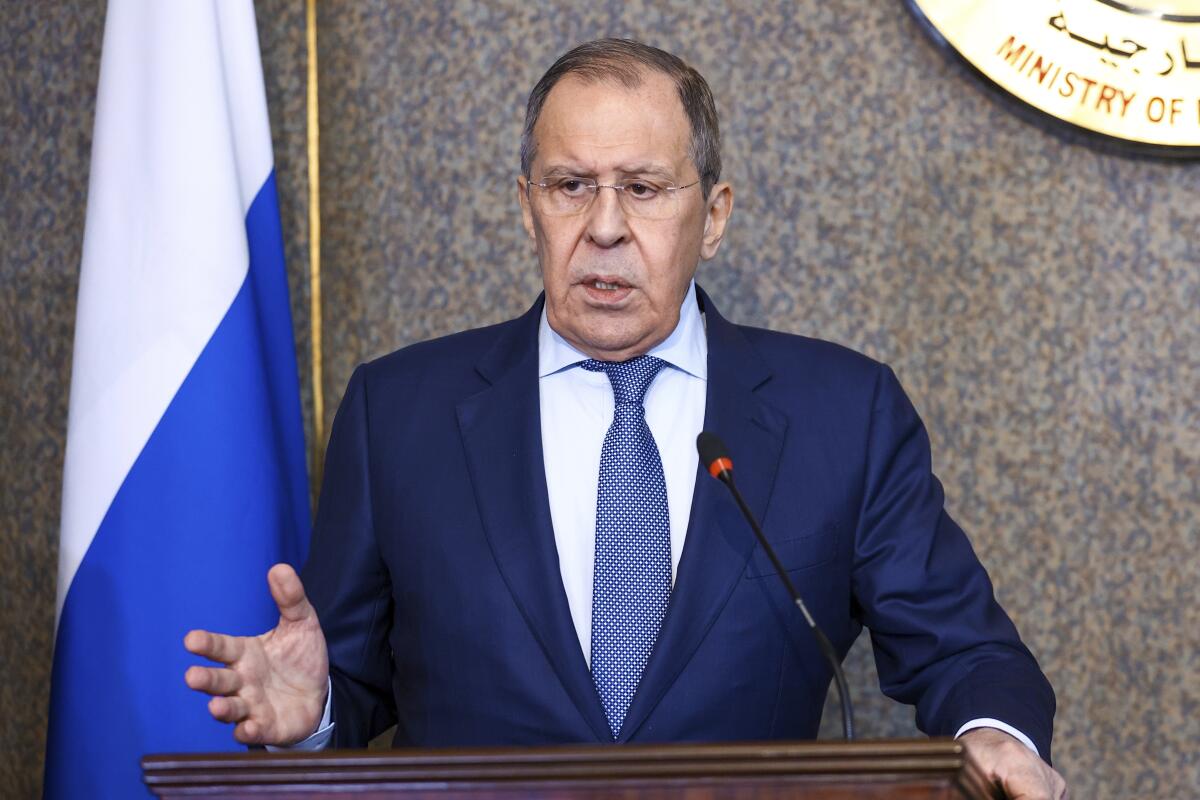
x: 648, y: 168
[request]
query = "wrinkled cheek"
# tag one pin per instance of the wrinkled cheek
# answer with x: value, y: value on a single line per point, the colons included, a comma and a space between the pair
x: 554, y: 252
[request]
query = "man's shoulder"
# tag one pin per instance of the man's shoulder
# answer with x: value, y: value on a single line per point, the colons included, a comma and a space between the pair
x: 791, y: 356
x: 459, y: 346
x: 787, y: 357
x: 447, y: 361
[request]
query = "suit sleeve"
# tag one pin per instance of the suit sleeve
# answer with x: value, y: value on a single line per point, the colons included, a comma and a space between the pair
x: 942, y: 643
x: 348, y: 582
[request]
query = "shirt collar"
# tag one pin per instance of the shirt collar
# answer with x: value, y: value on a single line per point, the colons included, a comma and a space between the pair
x: 685, y: 349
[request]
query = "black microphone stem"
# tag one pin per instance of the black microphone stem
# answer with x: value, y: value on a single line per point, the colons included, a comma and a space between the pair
x: 823, y: 642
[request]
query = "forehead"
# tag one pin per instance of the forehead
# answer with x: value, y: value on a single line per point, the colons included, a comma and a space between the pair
x: 601, y: 125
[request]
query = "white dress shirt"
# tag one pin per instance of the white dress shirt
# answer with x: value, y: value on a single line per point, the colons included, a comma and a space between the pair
x: 576, y: 411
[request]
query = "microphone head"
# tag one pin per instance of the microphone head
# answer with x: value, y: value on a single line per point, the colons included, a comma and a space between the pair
x: 714, y: 455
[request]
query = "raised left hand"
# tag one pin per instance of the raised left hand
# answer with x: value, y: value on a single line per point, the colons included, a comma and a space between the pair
x: 1022, y: 774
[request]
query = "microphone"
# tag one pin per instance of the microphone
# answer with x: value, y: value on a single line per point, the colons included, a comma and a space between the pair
x: 715, y: 457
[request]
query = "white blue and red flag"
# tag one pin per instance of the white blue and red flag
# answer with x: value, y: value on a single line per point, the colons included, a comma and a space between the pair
x: 185, y: 469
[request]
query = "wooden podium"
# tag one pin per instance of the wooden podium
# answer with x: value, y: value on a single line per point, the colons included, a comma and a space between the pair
x: 936, y: 768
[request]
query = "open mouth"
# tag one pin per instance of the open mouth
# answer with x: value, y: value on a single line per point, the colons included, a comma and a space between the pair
x: 606, y: 285
x: 606, y: 289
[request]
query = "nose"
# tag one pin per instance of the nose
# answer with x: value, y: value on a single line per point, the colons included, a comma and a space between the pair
x: 607, y: 225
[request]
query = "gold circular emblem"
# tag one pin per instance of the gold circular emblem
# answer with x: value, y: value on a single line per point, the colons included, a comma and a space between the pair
x: 1125, y: 69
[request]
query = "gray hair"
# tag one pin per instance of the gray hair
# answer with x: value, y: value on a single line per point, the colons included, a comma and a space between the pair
x: 625, y: 61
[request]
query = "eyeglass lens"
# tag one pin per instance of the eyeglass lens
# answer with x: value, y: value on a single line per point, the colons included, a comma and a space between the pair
x: 638, y: 198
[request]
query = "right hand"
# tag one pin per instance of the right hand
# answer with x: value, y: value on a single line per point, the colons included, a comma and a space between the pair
x: 273, y: 685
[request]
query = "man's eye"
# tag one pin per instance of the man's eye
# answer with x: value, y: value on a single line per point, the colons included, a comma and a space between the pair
x: 641, y: 190
x: 572, y: 186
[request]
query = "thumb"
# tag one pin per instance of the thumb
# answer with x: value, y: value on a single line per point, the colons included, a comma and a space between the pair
x: 288, y: 592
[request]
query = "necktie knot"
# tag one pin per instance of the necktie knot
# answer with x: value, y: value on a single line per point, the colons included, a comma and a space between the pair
x: 630, y: 379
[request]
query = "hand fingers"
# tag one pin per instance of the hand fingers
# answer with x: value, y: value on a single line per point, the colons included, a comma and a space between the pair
x: 1026, y: 784
x: 229, y: 709
x: 214, y: 646
x: 212, y: 681
x: 288, y: 592
x: 248, y: 732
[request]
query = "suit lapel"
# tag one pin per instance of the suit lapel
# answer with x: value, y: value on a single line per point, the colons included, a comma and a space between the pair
x: 719, y: 541
x: 501, y: 430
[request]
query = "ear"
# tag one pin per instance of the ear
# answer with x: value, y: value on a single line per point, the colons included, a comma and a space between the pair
x: 720, y: 207
x: 526, y: 211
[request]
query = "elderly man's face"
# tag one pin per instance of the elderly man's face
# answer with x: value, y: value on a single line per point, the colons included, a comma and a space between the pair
x: 615, y: 282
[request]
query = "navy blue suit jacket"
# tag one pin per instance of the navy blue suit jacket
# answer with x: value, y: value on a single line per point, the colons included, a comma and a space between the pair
x: 434, y: 571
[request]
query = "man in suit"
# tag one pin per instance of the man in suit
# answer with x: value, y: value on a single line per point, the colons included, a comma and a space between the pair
x: 515, y: 543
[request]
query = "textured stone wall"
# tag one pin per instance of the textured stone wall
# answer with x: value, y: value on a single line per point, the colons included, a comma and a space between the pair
x: 1039, y: 299
x: 48, y: 64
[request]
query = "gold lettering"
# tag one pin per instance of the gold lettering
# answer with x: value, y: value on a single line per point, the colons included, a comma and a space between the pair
x: 1068, y: 87
x: 1090, y: 83
x: 1107, y: 95
x: 1041, y: 68
x: 1160, y: 104
x: 1008, y: 52
x: 1126, y: 99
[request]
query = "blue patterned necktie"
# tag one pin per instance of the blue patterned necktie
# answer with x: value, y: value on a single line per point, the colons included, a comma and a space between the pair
x: 631, y: 581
